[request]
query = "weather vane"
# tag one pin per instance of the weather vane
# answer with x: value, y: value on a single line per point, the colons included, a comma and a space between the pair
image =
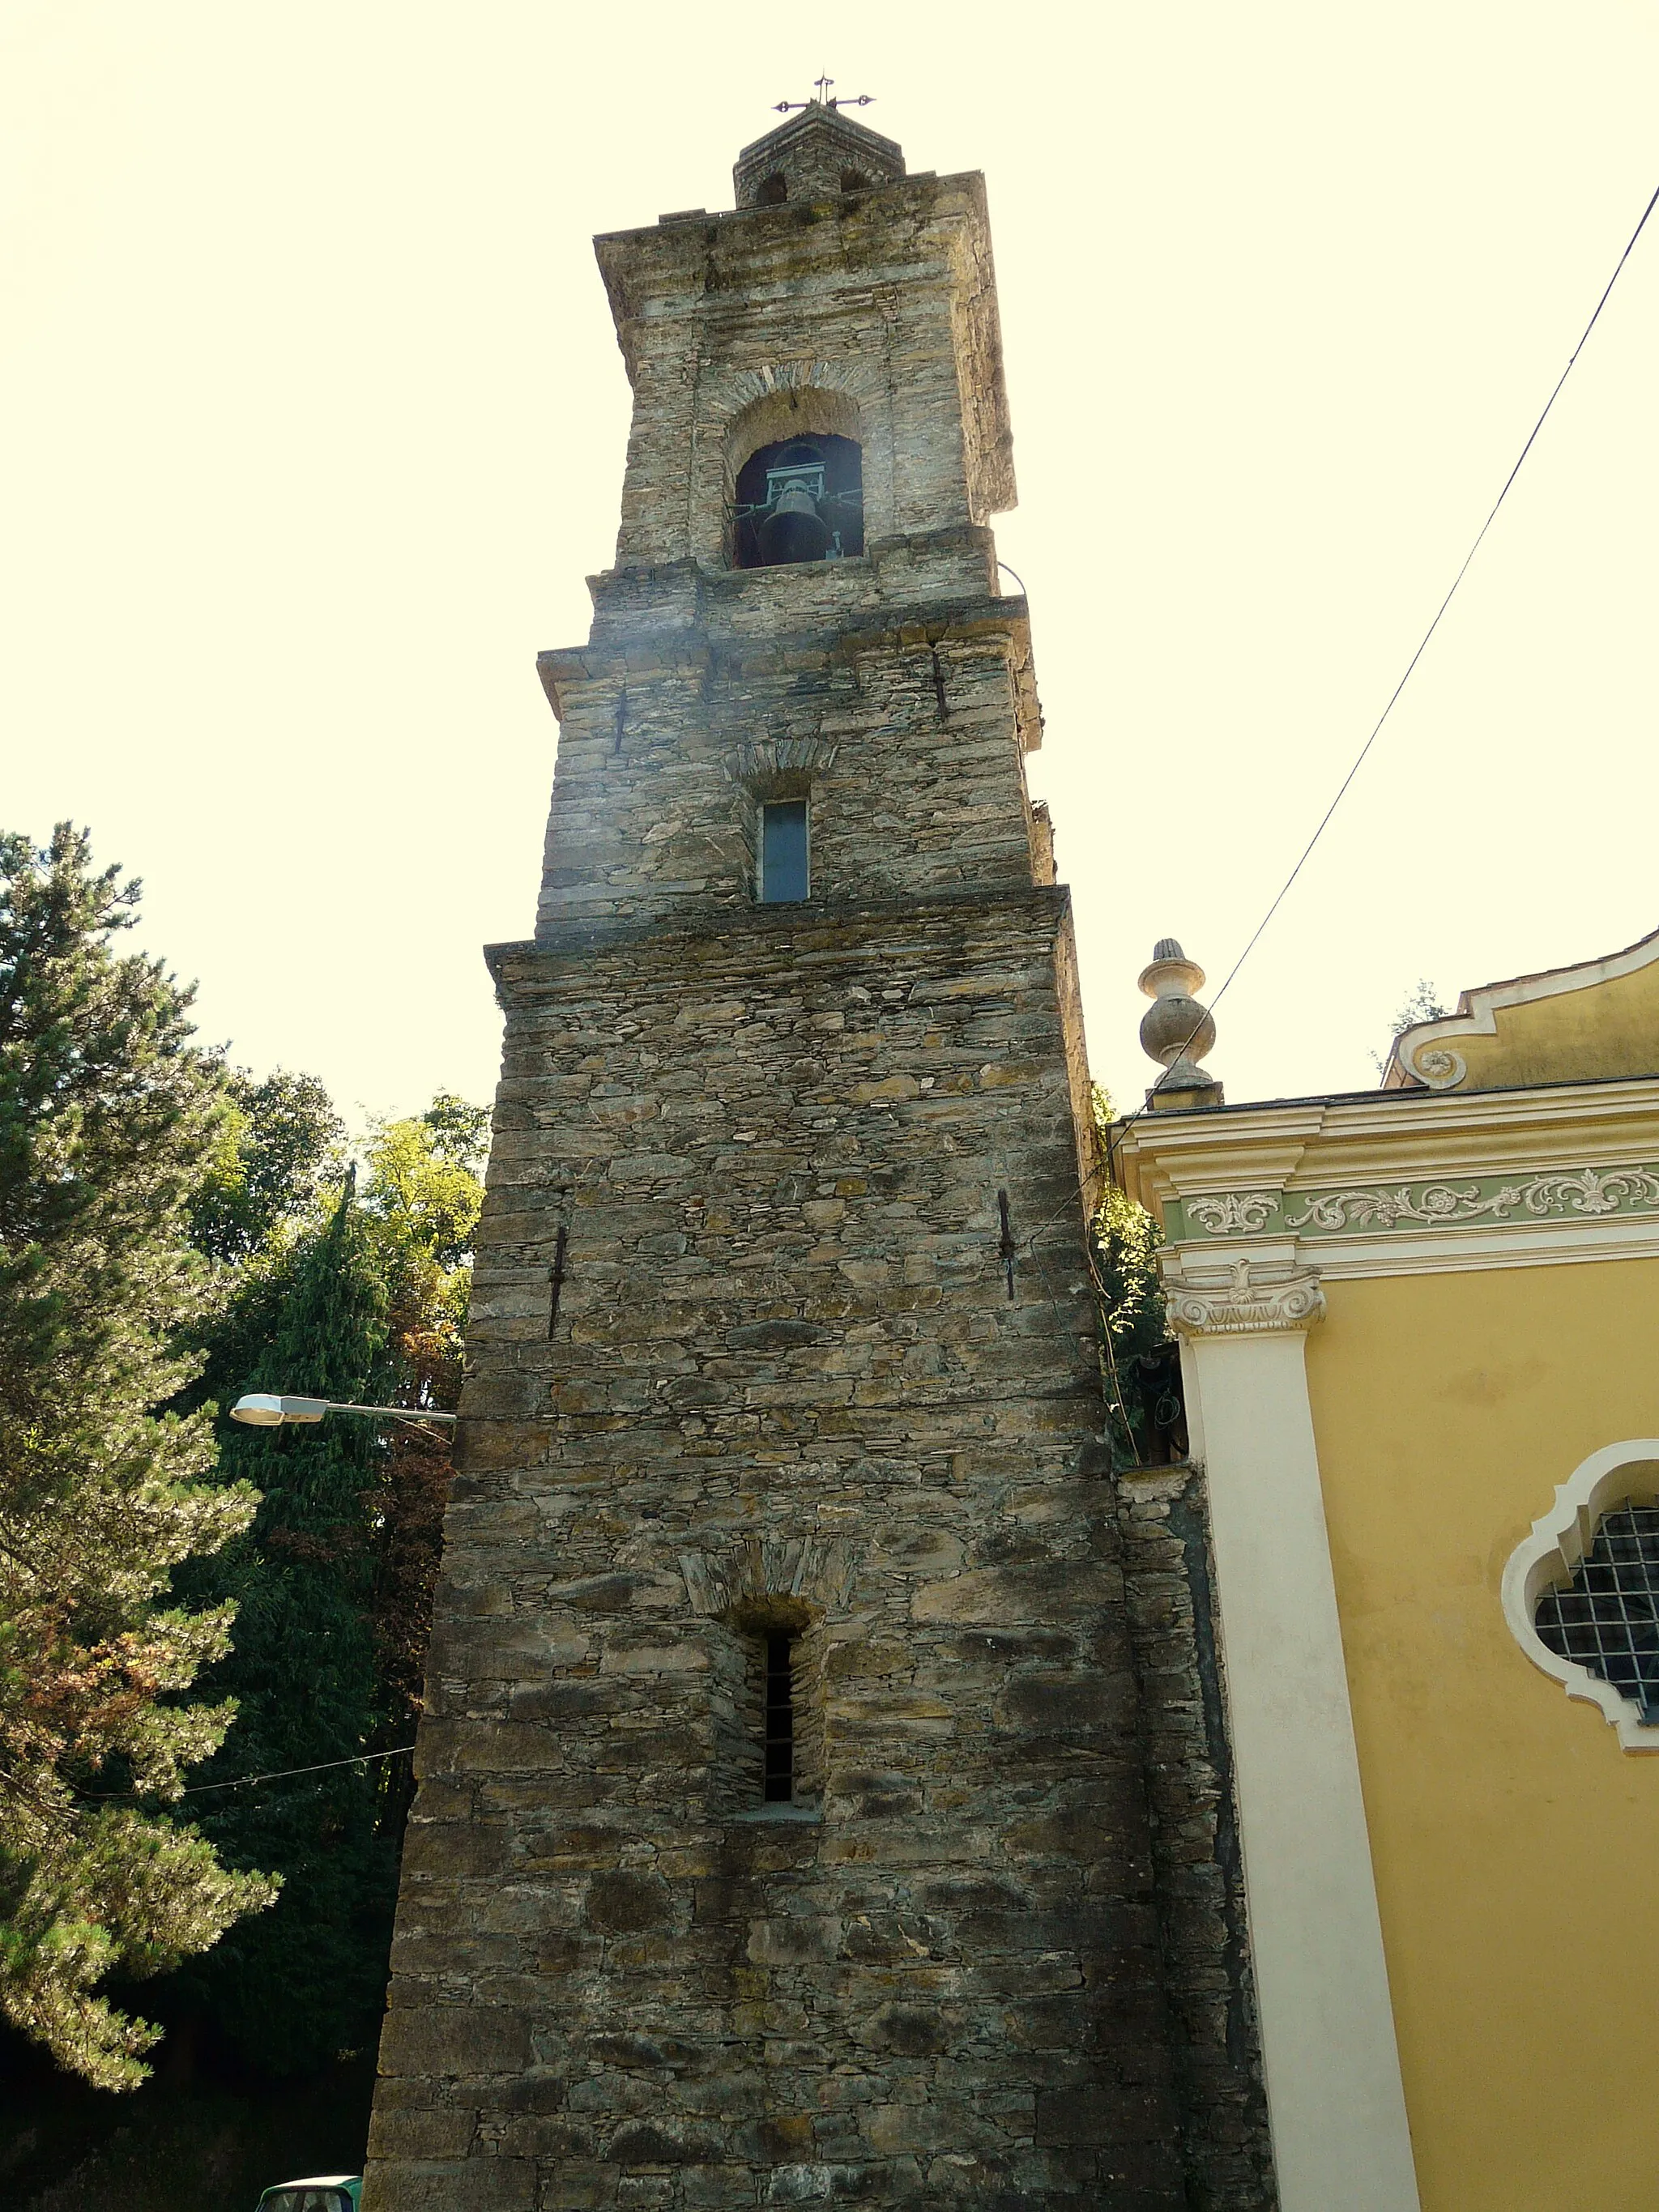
x: 822, y: 99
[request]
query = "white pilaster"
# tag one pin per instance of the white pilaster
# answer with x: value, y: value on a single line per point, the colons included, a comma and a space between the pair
x: 1337, y: 2108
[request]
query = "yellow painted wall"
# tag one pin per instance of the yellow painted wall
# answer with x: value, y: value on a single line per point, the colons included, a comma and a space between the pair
x: 1517, y: 1846
x: 1609, y: 1030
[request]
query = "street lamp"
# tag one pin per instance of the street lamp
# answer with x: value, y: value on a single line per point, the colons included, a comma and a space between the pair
x: 263, y: 1410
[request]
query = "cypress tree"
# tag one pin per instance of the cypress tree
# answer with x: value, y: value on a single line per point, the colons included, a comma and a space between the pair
x: 309, y: 1978
x: 108, y: 1117
x: 356, y: 1295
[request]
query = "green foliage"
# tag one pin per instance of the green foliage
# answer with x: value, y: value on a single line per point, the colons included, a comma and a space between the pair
x: 281, y: 1142
x: 460, y: 1132
x: 169, y: 2147
x: 108, y: 1119
x: 1422, y: 1002
x: 423, y: 1194
x: 1125, y: 1242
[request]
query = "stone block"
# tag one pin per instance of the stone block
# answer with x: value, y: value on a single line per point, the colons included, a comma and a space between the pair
x: 793, y: 1941
x: 449, y: 2041
x: 443, y: 2132
x: 624, y: 1902
x: 1101, y: 2115
x: 470, y: 2184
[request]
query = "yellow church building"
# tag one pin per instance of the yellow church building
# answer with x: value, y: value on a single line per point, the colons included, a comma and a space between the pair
x: 1419, y: 1337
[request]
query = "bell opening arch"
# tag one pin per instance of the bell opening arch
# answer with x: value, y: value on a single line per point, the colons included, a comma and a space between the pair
x: 794, y: 479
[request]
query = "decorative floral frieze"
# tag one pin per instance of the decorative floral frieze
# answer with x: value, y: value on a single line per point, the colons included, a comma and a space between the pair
x: 1536, y: 1194
x: 1588, y: 1192
x: 1222, y: 1212
x: 1253, y: 1296
x: 1382, y: 1209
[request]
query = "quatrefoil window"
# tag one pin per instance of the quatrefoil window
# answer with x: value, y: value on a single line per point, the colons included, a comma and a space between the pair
x: 1581, y: 1594
x: 1607, y: 1617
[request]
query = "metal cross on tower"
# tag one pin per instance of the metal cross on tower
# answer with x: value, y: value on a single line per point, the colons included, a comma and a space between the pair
x: 821, y: 98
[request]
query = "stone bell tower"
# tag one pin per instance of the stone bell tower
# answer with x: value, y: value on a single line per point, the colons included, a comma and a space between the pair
x: 781, y: 1834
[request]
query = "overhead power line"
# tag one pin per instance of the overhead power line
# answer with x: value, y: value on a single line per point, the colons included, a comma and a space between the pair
x: 1360, y: 757
x: 239, y: 1781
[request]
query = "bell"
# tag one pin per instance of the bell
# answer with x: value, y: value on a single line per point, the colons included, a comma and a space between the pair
x: 794, y: 530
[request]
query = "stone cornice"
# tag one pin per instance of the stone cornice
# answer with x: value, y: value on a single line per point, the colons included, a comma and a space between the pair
x: 526, y: 967
x: 672, y: 621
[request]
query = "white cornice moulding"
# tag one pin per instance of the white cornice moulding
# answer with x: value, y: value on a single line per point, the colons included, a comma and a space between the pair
x: 1618, y: 1474
x: 1423, y: 1053
x: 1202, y: 1264
x: 1475, y: 1251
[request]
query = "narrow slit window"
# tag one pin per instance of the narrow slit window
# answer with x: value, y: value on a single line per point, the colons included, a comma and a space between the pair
x: 778, y: 1785
x: 783, y: 870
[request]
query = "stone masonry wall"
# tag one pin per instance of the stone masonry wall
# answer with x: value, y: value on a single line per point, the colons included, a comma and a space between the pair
x: 1199, y: 1876
x: 784, y: 1361
x: 917, y: 787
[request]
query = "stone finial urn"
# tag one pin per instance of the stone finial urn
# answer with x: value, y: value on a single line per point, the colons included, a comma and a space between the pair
x: 1176, y: 1030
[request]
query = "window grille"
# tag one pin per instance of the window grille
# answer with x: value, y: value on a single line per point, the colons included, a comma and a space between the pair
x: 779, y: 1787
x: 783, y: 869
x: 1607, y: 1618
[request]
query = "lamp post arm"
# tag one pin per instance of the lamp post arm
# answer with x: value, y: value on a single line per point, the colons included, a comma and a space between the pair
x: 394, y: 1412
x: 264, y: 1409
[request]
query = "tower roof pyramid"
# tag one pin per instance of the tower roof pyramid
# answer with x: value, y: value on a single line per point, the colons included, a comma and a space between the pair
x: 814, y: 154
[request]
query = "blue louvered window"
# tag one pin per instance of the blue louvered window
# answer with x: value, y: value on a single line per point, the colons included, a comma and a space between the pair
x: 783, y: 870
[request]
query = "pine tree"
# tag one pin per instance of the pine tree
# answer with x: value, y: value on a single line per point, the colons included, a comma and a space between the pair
x: 108, y: 1117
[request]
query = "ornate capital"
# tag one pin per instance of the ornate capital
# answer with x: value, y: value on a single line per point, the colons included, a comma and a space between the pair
x: 1247, y: 1298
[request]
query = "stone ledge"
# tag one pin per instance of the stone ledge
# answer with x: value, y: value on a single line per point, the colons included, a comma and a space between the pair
x: 1045, y: 903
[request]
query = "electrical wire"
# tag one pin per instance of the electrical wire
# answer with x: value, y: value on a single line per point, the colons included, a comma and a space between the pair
x: 281, y: 1774
x: 1360, y: 757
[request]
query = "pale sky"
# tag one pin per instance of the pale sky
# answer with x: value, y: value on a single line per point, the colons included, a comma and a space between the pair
x: 314, y: 423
